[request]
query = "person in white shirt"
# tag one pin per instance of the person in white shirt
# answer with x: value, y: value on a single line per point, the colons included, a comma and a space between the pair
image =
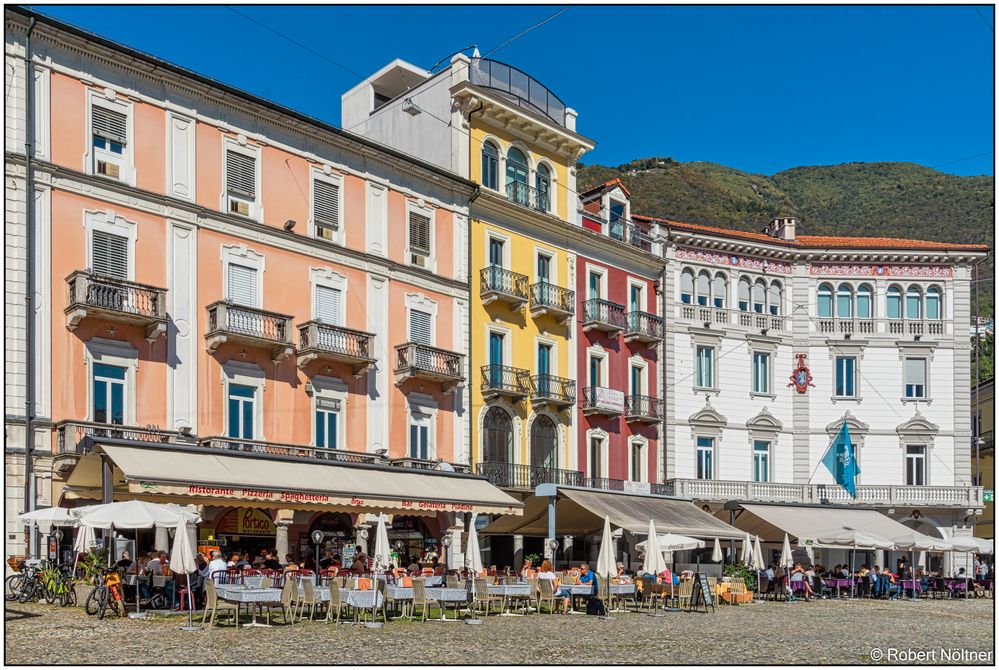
x: 216, y: 564
x: 547, y: 572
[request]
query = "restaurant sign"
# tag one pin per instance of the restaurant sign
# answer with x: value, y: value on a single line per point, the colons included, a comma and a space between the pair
x: 246, y: 521
x: 300, y: 498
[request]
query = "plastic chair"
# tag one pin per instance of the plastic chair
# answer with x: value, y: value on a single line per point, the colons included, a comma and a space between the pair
x: 484, y: 598
x: 308, y: 597
x: 421, y: 599
x: 214, y: 604
x: 336, y: 601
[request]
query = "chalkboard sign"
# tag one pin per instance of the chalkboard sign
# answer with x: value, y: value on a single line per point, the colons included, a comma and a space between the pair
x: 701, y: 595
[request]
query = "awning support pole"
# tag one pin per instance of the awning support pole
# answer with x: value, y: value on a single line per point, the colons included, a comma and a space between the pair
x: 107, y: 496
x: 551, y: 525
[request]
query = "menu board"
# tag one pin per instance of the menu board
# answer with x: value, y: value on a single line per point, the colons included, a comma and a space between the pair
x: 701, y: 595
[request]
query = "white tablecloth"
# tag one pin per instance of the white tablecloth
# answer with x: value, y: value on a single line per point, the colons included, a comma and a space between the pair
x: 240, y: 594
x: 521, y: 590
x: 364, y: 599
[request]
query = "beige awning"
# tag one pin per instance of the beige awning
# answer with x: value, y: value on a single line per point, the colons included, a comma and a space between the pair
x: 807, y: 523
x: 581, y: 512
x: 215, y: 478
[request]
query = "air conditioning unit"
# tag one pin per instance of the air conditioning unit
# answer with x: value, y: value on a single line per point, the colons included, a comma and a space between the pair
x: 108, y: 169
x: 419, y: 260
x: 240, y: 207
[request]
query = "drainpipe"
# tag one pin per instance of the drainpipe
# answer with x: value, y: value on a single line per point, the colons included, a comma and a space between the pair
x: 29, y: 291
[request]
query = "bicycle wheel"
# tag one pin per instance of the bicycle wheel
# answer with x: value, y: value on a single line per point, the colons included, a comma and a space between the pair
x: 28, y: 592
x: 49, y: 592
x: 102, y: 604
x: 92, y: 601
x: 12, y: 587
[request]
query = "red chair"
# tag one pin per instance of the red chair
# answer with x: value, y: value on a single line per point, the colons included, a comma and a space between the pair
x: 227, y: 577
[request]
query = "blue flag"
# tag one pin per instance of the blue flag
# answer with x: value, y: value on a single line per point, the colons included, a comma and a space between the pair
x: 840, y: 461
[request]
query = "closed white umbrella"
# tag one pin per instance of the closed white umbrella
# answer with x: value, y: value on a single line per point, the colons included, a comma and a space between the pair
x: 605, y: 558
x: 854, y: 539
x: 380, y: 559
x: 746, y: 551
x: 182, y: 562
x: 84, y: 540
x: 758, y: 555
x: 716, y: 554
x: 473, y: 559
x: 786, y: 557
x: 654, y: 562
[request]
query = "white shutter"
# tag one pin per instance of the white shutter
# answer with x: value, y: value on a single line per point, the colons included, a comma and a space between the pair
x: 110, y: 254
x: 419, y: 233
x: 915, y: 371
x: 328, y: 305
x: 109, y: 124
x: 420, y: 327
x: 240, y: 174
x: 326, y: 203
x: 242, y: 285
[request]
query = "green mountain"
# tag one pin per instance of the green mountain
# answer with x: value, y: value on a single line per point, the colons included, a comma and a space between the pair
x: 868, y: 199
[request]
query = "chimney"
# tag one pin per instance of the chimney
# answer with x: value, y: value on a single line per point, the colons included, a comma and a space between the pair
x: 782, y: 228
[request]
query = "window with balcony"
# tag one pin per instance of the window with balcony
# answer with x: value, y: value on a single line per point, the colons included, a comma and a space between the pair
x: 242, y: 285
x: 719, y: 290
x: 775, y: 295
x: 108, y: 394
x: 420, y: 432
x: 637, y: 379
x: 326, y: 208
x: 915, y: 379
x: 241, y: 411
x: 761, y: 461
x: 595, y: 285
x: 496, y: 255
x: 596, y: 457
x: 329, y: 305
x: 636, y: 298
x: 637, y: 463
x: 705, y: 458
x: 915, y: 465
x: 421, y: 326
x: 544, y: 443
x: 543, y: 185
x: 933, y: 303
x: 687, y: 287
x: 497, y: 437
x: 825, y: 301
x: 865, y: 302
x: 704, y: 376
x: 109, y: 129
x: 517, y: 169
x: 596, y: 370
x: 617, y: 219
x: 844, y: 301
x: 327, y: 423
x: 490, y: 166
x: 761, y: 372
x: 745, y: 294
x: 544, y: 268
x: 894, y: 302
x: 913, y: 303
x: 703, y: 289
x: 109, y: 254
x: 846, y: 377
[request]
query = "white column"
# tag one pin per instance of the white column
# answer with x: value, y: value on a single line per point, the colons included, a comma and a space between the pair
x: 281, y: 539
x: 518, y: 551
x: 379, y: 384
x: 181, y: 336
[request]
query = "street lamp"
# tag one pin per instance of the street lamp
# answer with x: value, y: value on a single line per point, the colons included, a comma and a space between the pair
x: 317, y: 538
x: 57, y: 534
x: 447, y: 544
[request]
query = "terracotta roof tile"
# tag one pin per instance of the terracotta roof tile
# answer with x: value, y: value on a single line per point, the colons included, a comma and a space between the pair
x: 616, y: 181
x: 820, y: 241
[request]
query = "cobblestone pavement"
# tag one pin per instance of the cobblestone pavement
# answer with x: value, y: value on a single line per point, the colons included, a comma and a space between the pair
x: 807, y: 633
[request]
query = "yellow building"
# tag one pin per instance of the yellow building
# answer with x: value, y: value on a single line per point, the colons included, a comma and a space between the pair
x: 985, y: 525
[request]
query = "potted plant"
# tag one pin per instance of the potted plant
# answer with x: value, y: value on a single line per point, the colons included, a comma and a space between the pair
x: 86, y: 571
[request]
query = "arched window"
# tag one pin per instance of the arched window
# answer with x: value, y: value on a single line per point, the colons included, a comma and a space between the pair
x: 543, y: 183
x: 933, y: 303
x: 865, y: 302
x: 703, y: 288
x: 894, y: 302
x: 825, y: 301
x: 687, y: 286
x: 719, y: 290
x: 774, y: 296
x: 544, y: 443
x: 844, y: 302
x: 913, y: 303
x: 490, y: 166
x: 516, y: 176
x: 744, y: 291
x: 497, y: 437
x: 759, y: 296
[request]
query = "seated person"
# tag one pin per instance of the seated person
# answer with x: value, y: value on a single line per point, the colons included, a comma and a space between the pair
x: 526, y: 569
x: 559, y: 592
x: 125, y: 562
x: 622, y: 575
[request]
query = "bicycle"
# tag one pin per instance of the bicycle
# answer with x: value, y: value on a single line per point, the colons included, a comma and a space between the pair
x: 106, y: 594
x: 57, y: 582
x: 31, y: 587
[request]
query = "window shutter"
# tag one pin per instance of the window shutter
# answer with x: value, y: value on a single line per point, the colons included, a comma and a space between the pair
x: 242, y: 285
x: 109, y: 124
x: 240, y: 174
x: 110, y: 254
x: 328, y: 305
x: 419, y: 233
x: 420, y: 327
x: 326, y: 203
x: 915, y: 371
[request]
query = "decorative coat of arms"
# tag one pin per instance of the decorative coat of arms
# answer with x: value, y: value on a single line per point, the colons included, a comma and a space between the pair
x: 801, y: 377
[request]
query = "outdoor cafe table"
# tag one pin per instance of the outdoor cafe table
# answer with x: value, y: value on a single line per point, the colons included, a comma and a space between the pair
x: 511, y: 592
x: 839, y: 583
x: 442, y: 595
x: 910, y: 584
x: 241, y: 593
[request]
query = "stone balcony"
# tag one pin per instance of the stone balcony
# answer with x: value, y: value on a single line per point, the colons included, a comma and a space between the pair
x: 718, y: 491
x: 422, y: 361
x: 840, y: 327
x: 229, y: 322
x: 719, y: 316
x: 326, y: 342
x: 112, y: 299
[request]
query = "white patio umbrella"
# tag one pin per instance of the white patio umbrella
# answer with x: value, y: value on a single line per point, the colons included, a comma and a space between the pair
x: 746, y: 551
x: 605, y: 558
x: 757, y: 564
x: 654, y: 562
x: 47, y: 517
x: 380, y: 559
x: 669, y: 542
x: 854, y: 540
x: 716, y: 554
x: 786, y: 559
x: 182, y: 562
x: 977, y: 545
x: 473, y: 559
x: 81, y: 545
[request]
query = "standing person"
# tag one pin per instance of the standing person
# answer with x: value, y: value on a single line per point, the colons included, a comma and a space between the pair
x: 360, y: 563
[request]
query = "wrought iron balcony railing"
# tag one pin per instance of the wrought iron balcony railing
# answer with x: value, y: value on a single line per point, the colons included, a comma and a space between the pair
x: 517, y: 476
x: 324, y: 341
x: 553, y: 390
x: 423, y: 464
x: 527, y: 196
x: 548, y: 298
x: 500, y: 284
x: 644, y: 408
x: 94, y: 295
x: 502, y: 380
x: 229, y: 322
x: 629, y: 233
x: 600, y: 400
x: 643, y: 327
x: 518, y: 87
x: 298, y: 451
x: 421, y: 361
x: 603, y: 315
x: 77, y: 437
x: 604, y: 484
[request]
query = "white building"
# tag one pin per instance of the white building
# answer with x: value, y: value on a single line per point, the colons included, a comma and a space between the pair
x: 884, y: 328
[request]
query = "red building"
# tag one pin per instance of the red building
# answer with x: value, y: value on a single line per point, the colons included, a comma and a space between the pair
x: 620, y: 333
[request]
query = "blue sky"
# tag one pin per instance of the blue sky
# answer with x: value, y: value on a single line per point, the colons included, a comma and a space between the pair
x: 761, y: 89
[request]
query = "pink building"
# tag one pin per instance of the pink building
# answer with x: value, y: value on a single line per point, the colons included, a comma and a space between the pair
x: 219, y: 275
